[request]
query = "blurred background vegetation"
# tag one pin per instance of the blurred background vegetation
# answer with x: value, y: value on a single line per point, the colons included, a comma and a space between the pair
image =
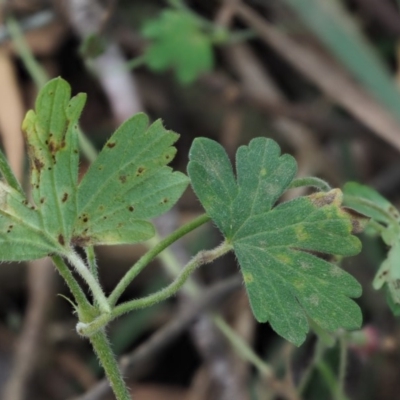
x: 319, y: 76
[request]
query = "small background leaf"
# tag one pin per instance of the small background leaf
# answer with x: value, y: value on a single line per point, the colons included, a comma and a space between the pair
x: 179, y: 43
x: 275, y: 248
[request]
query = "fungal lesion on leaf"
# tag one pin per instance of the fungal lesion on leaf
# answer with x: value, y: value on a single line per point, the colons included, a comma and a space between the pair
x: 61, y: 239
x: 140, y: 171
x: 65, y: 197
x: 38, y: 164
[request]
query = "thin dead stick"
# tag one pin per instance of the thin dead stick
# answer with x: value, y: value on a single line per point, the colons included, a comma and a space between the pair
x: 327, y: 75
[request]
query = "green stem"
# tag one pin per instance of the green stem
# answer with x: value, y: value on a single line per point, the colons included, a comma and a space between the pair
x: 320, y: 349
x: 91, y: 281
x: 107, y: 359
x: 242, y: 348
x: 73, y: 285
x: 151, y: 254
x: 34, y: 69
x: 330, y: 380
x: 8, y: 174
x: 173, y: 267
x: 92, y: 262
x: 201, y: 258
x: 312, y: 181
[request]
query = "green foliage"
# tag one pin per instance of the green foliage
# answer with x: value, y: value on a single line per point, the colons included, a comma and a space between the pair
x: 179, y: 42
x: 276, y: 247
x: 127, y: 184
x: 386, y: 220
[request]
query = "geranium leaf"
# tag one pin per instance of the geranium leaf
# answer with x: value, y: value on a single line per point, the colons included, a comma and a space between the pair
x: 277, y: 247
x: 178, y: 42
x: 127, y: 184
x: 51, y: 134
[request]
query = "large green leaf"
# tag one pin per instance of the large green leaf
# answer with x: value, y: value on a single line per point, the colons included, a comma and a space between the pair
x: 127, y: 184
x: 277, y: 247
x: 178, y: 42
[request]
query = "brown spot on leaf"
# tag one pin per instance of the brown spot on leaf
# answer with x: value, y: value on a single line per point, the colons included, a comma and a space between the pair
x: 85, y: 219
x: 140, y: 171
x: 61, y: 239
x: 122, y: 178
x: 81, y: 241
x: 110, y: 145
x: 164, y: 200
x: 42, y: 200
x: 65, y: 197
x: 131, y: 208
x: 321, y: 199
x: 358, y: 220
x: 9, y: 228
x: 38, y: 164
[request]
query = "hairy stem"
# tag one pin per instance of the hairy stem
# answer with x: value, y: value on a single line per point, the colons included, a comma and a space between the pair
x: 311, y: 181
x: 201, y: 258
x: 153, y: 253
x: 91, y: 281
x: 103, y: 350
x: 73, y: 285
x: 92, y: 262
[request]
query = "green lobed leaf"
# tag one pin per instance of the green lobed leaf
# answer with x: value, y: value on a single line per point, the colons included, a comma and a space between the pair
x: 354, y: 190
x: 277, y: 247
x: 127, y: 184
x: 179, y: 43
x: 51, y: 134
